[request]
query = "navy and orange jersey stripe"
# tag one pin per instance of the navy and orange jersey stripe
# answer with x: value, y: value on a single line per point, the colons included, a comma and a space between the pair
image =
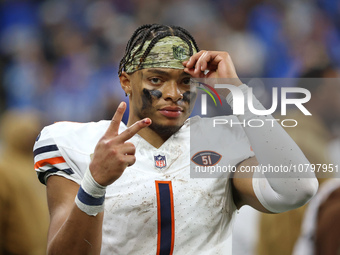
x: 166, y: 219
x: 49, y: 160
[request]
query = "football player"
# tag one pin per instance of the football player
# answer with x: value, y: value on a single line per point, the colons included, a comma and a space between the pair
x: 126, y: 189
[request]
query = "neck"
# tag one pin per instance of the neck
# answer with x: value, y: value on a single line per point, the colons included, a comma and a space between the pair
x: 150, y: 135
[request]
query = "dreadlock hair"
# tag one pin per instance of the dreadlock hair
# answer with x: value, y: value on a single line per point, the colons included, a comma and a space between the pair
x: 153, y: 33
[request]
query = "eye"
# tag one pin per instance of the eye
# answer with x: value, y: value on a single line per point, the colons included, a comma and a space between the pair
x: 155, y: 81
x: 187, y: 81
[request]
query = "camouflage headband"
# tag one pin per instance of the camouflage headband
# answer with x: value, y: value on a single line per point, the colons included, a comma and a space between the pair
x: 168, y: 52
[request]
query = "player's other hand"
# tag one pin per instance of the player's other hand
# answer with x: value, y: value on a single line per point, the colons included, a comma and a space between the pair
x: 112, y: 153
x: 212, y: 64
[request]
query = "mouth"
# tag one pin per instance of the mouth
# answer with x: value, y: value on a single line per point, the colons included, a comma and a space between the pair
x: 171, y: 111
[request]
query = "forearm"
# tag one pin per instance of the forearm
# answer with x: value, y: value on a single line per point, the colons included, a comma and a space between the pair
x: 73, y: 230
x: 79, y: 234
x: 273, y: 147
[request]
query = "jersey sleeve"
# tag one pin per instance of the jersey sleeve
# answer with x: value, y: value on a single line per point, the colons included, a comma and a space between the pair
x: 229, y: 137
x: 50, y: 160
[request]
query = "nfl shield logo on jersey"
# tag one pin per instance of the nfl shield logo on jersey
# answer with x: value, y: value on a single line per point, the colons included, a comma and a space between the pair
x: 160, y: 161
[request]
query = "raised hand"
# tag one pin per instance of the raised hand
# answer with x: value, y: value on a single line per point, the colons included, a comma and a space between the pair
x: 218, y: 63
x: 112, y: 153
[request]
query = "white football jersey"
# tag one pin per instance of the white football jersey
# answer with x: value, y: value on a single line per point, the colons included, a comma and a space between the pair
x: 155, y: 207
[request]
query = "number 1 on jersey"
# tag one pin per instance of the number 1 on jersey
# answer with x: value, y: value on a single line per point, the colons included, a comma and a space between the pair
x: 165, y: 216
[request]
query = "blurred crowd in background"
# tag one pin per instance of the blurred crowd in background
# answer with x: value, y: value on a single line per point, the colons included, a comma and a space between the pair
x: 61, y: 56
x: 59, y: 61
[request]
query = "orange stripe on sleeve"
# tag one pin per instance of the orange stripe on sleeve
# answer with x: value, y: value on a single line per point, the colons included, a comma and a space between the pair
x: 50, y: 161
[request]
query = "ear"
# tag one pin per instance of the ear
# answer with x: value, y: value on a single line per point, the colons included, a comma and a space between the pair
x: 125, y: 82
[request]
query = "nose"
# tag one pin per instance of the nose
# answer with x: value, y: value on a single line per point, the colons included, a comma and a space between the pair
x: 172, y: 92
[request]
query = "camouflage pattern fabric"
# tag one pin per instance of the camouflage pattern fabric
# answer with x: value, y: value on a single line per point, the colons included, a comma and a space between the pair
x: 168, y: 52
